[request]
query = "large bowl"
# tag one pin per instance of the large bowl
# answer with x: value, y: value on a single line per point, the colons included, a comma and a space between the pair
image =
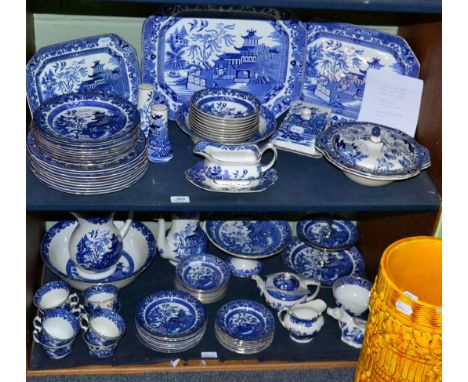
x: 139, y: 246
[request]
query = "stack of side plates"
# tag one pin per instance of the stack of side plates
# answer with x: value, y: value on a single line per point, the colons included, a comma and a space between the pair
x: 87, y: 144
x: 244, y: 326
x: 224, y: 115
x: 170, y: 321
x: 206, y: 277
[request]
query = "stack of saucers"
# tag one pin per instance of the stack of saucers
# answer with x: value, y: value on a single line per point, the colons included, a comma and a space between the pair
x: 170, y: 321
x: 87, y: 144
x: 244, y: 326
x: 206, y: 277
x: 224, y: 115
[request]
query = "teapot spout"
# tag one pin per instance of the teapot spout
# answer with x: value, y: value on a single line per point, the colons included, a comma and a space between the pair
x: 260, y: 283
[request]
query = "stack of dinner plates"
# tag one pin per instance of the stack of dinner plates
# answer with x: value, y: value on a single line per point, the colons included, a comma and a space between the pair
x: 87, y: 143
x: 244, y: 326
x: 170, y: 321
x: 224, y: 115
x: 206, y: 277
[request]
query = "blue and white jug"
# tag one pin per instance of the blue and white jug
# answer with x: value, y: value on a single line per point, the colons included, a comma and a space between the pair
x: 96, y: 244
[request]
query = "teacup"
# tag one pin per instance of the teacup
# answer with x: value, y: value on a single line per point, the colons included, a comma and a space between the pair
x: 55, y: 295
x: 103, y: 329
x: 101, y: 297
x: 352, y: 293
x: 53, y: 351
x: 234, y: 162
x: 56, y: 327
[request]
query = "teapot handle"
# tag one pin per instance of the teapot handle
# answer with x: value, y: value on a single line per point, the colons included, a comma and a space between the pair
x: 314, y: 283
x: 268, y: 146
x: 124, y: 230
x: 280, y: 314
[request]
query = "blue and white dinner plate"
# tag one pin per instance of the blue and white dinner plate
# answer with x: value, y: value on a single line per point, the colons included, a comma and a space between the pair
x: 197, y: 176
x: 104, y: 63
x: 245, y: 320
x: 262, y: 53
x: 203, y: 272
x: 331, y: 234
x: 86, y: 117
x: 171, y: 314
x: 338, y: 57
x: 266, y: 125
x: 249, y: 239
x: 139, y: 251
x: 322, y: 266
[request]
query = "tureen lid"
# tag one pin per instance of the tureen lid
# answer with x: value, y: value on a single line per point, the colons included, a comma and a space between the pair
x: 373, y: 151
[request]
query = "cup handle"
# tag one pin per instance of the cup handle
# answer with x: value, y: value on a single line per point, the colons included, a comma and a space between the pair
x: 37, y: 323
x: 73, y: 299
x: 84, y: 321
x: 78, y: 311
x: 281, y: 316
x: 35, y: 338
x: 268, y: 146
x: 313, y: 295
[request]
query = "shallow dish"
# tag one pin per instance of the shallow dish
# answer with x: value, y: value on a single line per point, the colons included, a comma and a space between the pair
x: 139, y: 246
x: 328, y: 234
x: 202, y: 272
x: 104, y: 63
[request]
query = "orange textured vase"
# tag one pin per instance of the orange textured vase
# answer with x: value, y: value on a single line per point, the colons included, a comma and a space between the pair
x: 403, y: 340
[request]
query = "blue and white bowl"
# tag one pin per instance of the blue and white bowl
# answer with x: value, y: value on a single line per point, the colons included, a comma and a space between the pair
x: 55, y: 295
x: 244, y: 326
x: 329, y: 234
x: 103, y: 327
x: 244, y: 268
x: 206, y: 277
x: 101, y: 297
x: 353, y: 294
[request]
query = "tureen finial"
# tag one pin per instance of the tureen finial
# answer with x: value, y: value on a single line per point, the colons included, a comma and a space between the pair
x: 375, y: 136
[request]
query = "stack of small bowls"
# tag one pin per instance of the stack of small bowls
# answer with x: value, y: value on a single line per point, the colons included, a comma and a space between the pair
x: 205, y: 277
x: 244, y: 326
x: 224, y: 115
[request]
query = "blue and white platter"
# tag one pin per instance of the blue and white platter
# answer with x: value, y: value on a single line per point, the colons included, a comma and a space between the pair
x: 245, y: 320
x: 322, y: 266
x: 338, y: 57
x: 203, y: 272
x: 261, y: 52
x: 139, y: 250
x: 266, y: 125
x: 104, y: 63
x: 331, y: 234
x: 86, y: 117
x: 197, y: 176
x: 170, y: 314
x: 372, y: 151
x: 249, y: 239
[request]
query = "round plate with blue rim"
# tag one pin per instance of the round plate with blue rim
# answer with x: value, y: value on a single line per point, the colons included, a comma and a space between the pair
x: 322, y: 266
x: 170, y: 313
x: 203, y: 272
x: 249, y: 239
x: 86, y: 117
x: 245, y: 320
x: 139, y: 252
x: 331, y: 234
x: 266, y: 126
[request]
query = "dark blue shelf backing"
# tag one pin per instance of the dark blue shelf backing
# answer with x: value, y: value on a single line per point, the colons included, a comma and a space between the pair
x: 406, y: 6
x: 327, y: 346
x: 304, y: 185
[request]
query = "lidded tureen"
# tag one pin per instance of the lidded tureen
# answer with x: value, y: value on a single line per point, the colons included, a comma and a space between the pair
x: 371, y: 154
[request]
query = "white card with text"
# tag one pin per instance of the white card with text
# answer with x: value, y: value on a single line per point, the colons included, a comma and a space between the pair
x: 391, y: 100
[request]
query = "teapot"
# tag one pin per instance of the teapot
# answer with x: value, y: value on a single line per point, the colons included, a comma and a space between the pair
x: 284, y: 289
x: 303, y: 321
x: 96, y: 244
x: 234, y: 162
x: 352, y: 328
x: 185, y: 238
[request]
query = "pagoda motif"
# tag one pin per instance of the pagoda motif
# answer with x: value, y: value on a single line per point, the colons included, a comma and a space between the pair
x: 102, y: 79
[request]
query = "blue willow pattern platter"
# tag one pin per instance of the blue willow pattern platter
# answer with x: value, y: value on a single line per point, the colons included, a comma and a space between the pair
x: 197, y: 176
x: 328, y: 233
x: 257, y: 51
x: 266, y: 126
x: 86, y: 117
x: 63, y: 266
x: 245, y: 320
x: 170, y: 313
x: 338, y: 57
x: 103, y: 63
x: 373, y: 151
x: 249, y: 239
x: 203, y: 272
x: 322, y: 266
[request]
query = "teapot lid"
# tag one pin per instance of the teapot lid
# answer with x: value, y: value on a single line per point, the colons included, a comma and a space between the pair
x: 285, y: 286
x: 372, y: 150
